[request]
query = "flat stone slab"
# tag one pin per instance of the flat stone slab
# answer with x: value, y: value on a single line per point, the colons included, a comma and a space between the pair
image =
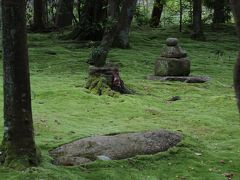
x: 114, y: 147
x: 186, y: 79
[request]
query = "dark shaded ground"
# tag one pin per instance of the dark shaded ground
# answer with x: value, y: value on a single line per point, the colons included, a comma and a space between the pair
x: 186, y: 79
x: 114, y: 147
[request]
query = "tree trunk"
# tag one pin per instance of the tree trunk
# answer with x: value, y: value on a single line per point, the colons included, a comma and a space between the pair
x: 103, y: 76
x: 91, y: 19
x: 197, y: 20
x: 64, y: 15
x: 156, y: 13
x: 235, y: 4
x: 180, y: 16
x: 191, y: 12
x: 99, y: 54
x: 18, y: 146
x: 122, y: 38
x: 39, y: 16
x: 218, y: 15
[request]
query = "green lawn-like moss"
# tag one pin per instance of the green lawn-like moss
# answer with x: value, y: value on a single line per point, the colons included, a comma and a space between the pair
x: 207, y: 116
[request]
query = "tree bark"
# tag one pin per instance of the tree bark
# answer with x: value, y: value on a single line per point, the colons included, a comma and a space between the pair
x: 64, y: 15
x: 156, y: 13
x: 39, y: 16
x: 197, y: 20
x: 180, y: 16
x: 99, y: 54
x: 122, y: 38
x: 92, y: 16
x: 104, y: 76
x: 235, y: 4
x: 219, y: 14
x: 18, y: 145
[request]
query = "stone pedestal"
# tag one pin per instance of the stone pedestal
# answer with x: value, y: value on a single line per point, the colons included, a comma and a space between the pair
x: 173, y: 60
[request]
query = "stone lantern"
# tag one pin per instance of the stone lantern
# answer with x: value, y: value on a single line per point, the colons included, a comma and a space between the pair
x: 173, y: 60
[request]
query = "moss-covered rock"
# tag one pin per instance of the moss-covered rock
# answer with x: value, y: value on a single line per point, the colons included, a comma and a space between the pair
x: 114, y: 147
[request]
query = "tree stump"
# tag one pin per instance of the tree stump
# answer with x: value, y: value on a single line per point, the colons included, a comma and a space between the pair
x: 106, y: 81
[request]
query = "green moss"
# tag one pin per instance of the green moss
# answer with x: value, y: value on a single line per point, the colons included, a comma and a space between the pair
x: 98, y: 56
x: 98, y: 85
x: 9, y: 158
x: 207, y: 115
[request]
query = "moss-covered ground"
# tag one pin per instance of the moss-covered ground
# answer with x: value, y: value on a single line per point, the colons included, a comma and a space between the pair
x: 206, y: 115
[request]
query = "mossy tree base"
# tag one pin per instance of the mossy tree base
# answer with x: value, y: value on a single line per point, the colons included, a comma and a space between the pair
x: 105, y: 81
x: 11, y: 159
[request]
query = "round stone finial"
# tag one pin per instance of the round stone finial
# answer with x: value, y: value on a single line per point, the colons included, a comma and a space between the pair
x: 172, y: 41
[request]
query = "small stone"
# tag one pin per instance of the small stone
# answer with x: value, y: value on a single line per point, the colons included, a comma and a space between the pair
x: 40, y: 102
x: 222, y: 161
x: 103, y: 158
x: 228, y: 175
x: 198, y: 154
x: 175, y: 98
x: 172, y: 42
x: 51, y: 52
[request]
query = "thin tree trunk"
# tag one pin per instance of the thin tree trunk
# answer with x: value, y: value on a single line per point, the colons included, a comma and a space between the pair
x: 39, y: 16
x: 99, y: 54
x: 197, y: 20
x: 122, y: 38
x: 181, y: 16
x: 218, y: 15
x: 191, y: 11
x: 235, y: 4
x: 64, y: 15
x: 156, y: 13
x: 18, y: 146
x: 92, y: 16
x: 102, y: 76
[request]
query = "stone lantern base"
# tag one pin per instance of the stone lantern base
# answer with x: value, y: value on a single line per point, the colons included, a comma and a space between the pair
x: 172, y: 67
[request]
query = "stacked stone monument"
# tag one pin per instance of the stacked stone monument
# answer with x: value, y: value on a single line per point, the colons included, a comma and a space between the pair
x: 173, y: 65
x: 173, y: 60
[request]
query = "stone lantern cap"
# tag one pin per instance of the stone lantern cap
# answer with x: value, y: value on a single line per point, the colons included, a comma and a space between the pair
x: 173, y: 50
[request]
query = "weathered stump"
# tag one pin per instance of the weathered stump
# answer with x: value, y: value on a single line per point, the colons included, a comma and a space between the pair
x: 106, y: 80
